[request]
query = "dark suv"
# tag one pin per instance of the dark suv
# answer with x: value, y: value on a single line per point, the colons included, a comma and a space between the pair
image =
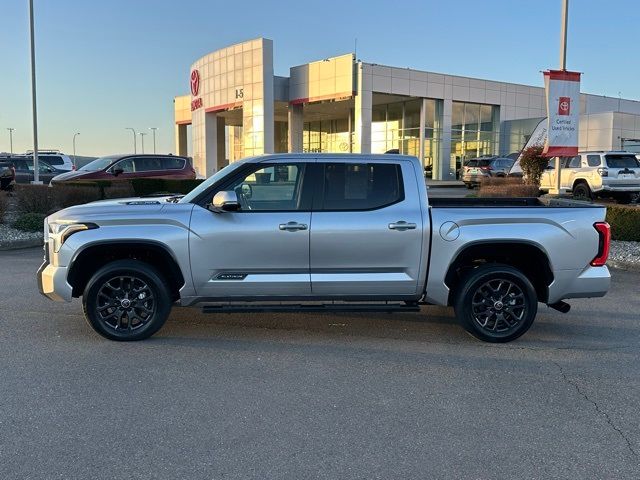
x: 476, y: 169
x: 129, y: 167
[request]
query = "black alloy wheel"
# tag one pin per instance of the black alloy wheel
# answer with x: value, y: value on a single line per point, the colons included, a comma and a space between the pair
x: 126, y: 300
x: 496, y: 303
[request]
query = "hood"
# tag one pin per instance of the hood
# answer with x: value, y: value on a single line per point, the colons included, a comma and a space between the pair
x: 120, y: 209
x: 71, y: 175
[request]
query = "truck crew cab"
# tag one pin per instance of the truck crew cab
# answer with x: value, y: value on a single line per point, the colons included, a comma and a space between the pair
x: 300, y: 232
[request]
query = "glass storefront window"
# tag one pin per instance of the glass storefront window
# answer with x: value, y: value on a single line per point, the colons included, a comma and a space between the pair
x: 474, y: 132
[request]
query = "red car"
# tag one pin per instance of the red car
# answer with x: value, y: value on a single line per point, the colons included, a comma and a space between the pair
x: 129, y: 167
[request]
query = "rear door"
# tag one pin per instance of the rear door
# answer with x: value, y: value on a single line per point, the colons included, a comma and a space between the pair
x: 367, y: 230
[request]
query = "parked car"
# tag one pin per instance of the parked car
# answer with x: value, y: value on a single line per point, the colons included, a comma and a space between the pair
x: 478, y: 168
x: 597, y: 174
x: 128, y: 167
x: 244, y: 240
x: 25, y: 173
x: 55, y: 158
x: 7, y: 173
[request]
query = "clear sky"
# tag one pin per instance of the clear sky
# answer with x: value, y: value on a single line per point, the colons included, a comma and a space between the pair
x: 106, y: 65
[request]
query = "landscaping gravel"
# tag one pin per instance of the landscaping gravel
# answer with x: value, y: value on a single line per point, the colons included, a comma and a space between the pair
x: 13, y: 238
x: 624, y: 254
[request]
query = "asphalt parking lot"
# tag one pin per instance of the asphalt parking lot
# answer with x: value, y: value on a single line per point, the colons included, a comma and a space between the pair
x: 317, y: 396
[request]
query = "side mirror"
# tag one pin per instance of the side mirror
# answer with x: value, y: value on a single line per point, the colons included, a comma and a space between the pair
x: 226, y: 201
x: 117, y: 171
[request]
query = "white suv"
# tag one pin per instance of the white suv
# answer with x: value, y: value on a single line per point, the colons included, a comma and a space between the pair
x: 56, y: 159
x: 590, y: 174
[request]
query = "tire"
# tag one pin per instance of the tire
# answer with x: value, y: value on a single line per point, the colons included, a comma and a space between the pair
x: 581, y: 191
x: 503, y: 322
x: 126, y: 300
x: 624, y: 198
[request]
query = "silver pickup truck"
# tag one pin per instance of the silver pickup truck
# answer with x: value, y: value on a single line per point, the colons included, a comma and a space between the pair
x: 308, y: 232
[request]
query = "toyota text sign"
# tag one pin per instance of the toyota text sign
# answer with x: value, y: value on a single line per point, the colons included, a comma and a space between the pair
x: 562, y: 89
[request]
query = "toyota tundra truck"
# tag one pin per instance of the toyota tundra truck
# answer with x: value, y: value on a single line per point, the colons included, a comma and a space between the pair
x: 309, y: 232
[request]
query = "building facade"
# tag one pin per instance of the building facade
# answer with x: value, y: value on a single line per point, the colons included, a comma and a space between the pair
x: 237, y: 107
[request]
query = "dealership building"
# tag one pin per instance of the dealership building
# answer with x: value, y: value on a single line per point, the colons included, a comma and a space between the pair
x: 237, y: 107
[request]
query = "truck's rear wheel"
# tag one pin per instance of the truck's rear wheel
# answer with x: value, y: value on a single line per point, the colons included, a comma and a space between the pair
x: 126, y: 300
x: 496, y: 303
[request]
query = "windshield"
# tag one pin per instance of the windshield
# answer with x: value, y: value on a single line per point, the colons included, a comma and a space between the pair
x: 98, y: 164
x: 211, y: 180
x: 622, y: 161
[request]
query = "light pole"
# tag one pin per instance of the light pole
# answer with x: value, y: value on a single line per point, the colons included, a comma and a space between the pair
x: 74, y: 148
x: 142, y: 134
x: 36, y: 170
x: 563, y: 66
x: 153, y: 129
x: 134, y: 138
x: 11, y: 139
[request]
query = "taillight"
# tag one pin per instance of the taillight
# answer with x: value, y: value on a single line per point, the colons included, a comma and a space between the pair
x: 604, y: 243
x: 486, y: 168
x: 603, y: 172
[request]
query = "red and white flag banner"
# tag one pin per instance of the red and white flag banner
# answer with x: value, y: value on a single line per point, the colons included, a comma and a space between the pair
x: 562, y: 89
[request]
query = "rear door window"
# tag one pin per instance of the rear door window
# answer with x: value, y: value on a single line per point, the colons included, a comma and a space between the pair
x: 621, y: 161
x: 147, y: 164
x: 361, y: 186
x: 575, y: 162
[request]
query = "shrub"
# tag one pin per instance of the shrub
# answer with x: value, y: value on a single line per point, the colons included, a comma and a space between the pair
x: 533, y: 164
x: 506, y: 187
x: 150, y: 186
x: 30, y: 222
x: 70, y: 195
x: 35, y: 199
x: 624, y: 221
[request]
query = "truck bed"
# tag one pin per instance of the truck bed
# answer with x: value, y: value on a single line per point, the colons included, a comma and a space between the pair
x: 489, y: 202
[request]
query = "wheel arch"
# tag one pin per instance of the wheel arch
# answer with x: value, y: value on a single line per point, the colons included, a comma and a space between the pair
x: 92, y: 256
x: 528, y: 257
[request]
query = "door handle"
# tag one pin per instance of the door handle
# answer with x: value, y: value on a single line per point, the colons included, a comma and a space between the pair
x: 402, y: 226
x: 292, y: 226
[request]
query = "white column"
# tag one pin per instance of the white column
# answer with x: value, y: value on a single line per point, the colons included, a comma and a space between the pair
x: 362, y: 114
x: 181, y: 139
x: 296, y: 128
x: 423, y: 124
x: 213, y: 143
x: 442, y: 171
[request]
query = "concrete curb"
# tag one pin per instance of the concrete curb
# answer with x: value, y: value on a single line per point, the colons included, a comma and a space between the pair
x: 20, y: 244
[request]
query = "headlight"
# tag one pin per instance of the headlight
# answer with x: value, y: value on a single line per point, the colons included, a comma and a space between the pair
x: 60, y: 231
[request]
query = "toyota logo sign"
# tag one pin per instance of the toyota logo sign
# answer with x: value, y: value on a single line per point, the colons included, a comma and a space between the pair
x: 564, y: 106
x: 195, y: 82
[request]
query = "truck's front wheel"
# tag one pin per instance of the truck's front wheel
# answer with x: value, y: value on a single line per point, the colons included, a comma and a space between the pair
x: 496, y: 303
x: 126, y: 300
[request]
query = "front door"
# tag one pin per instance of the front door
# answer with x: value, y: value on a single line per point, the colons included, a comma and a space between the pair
x: 367, y: 233
x: 261, y: 249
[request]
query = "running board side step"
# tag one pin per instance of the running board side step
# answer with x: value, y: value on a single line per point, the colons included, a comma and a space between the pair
x: 302, y: 308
